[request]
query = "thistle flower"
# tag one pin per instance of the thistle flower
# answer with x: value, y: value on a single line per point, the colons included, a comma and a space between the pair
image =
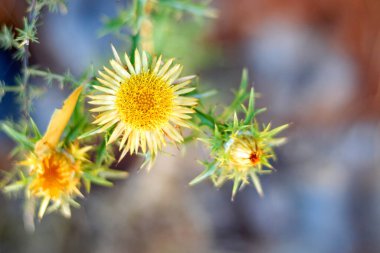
x: 55, y: 177
x: 142, y: 103
x: 245, y: 155
x: 239, y: 149
x: 54, y: 172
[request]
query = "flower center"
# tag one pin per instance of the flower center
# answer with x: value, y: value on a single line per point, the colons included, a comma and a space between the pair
x: 145, y: 101
x: 55, y: 175
x: 255, y: 157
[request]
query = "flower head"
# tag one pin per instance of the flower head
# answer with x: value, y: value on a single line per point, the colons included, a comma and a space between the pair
x: 54, y: 171
x: 245, y: 152
x: 142, y: 103
x: 245, y: 155
x: 55, y: 176
x: 240, y: 150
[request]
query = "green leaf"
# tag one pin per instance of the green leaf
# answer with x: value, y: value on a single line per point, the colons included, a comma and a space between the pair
x: 73, y: 203
x: 240, y: 97
x: 113, y: 174
x: 35, y: 129
x: 205, y: 174
x: 97, y: 179
x: 17, y: 136
x: 235, y: 187
x: 90, y: 133
x: 6, y: 37
x: 28, y: 33
x: 14, y: 187
x: 206, y: 94
x: 277, y: 130
x: 256, y: 182
x: 87, y: 185
x: 206, y: 120
x: 251, y: 108
x: 244, y: 80
x: 74, y: 131
x: 236, y: 122
x: 101, y: 152
x: 114, y: 25
x: 198, y: 9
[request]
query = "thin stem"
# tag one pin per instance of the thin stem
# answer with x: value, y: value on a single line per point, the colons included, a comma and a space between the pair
x: 139, y: 6
x: 41, y: 73
x: 25, y: 63
x: 15, y: 89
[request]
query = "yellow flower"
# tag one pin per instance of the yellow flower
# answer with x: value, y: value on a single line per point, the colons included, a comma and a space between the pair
x: 54, y: 171
x: 142, y: 103
x: 56, y: 174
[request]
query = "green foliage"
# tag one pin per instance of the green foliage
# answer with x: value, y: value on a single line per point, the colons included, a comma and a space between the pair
x: 201, y: 9
x: 52, y: 5
x: 28, y: 33
x: 20, y: 136
x: 50, y: 78
x: 7, y: 40
x: 173, y: 34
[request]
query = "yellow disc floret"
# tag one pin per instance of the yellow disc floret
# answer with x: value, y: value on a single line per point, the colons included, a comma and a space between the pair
x: 55, y: 175
x: 145, y: 101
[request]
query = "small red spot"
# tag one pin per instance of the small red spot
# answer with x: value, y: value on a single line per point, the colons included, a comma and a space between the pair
x: 255, y: 157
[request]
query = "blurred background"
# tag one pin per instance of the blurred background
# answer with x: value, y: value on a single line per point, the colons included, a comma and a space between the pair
x: 316, y: 64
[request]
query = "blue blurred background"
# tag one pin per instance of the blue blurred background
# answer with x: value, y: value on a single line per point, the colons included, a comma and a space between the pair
x: 316, y: 64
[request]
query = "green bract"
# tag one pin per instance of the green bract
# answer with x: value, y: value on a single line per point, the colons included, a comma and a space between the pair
x: 240, y: 149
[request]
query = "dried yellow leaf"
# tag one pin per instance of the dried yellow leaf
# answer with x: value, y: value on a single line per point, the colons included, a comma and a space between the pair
x: 58, y: 122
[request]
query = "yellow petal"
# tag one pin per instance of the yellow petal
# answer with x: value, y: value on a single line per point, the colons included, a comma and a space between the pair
x: 184, y: 79
x: 165, y: 67
x: 137, y: 62
x: 116, y: 55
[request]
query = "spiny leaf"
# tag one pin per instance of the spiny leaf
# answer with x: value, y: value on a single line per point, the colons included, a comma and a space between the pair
x: 276, y: 130
x: 236, y: 186
x: 6, y: 37
x: 101, y: 152
x: 36, y: 131
x: 73, y: 203
x: 97, y: 179
x: 205, y: 174
x: 256, y: 182
x: 14, y: 187
x: 251, y: 108
x: 17, y: 136
x: 43, y: 207
x: 113, y: 174
x: 244, y: 80
x: 90, y: 133
x: 198, y: 9
x: 206, y: 120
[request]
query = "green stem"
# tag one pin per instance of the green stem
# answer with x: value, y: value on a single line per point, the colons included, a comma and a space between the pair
x: 139, y: 6
x: 12, y: 89
x: 41, y: 73
x: 135, y: 45
x: 25, y: 63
